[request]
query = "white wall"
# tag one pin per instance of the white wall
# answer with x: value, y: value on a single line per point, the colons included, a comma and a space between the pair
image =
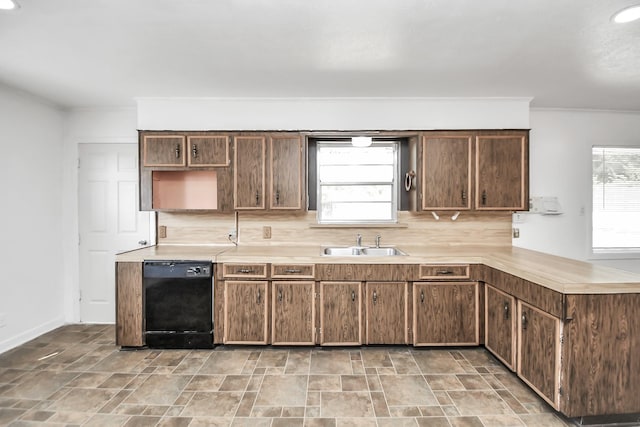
x: 31, y: 258
x: 83, y: 126
x: 560, y: 165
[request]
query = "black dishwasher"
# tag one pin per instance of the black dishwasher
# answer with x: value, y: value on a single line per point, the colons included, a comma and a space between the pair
x: 178, y: 304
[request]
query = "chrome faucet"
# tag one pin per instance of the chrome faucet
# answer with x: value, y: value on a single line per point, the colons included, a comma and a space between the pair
x: 358, y: 240
x: 378, y: 237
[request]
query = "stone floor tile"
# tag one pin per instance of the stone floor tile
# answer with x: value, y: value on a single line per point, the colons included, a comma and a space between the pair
x: 544, y: 420
x: 117, y: 381
x: 293, y: 412
x: 266, y: 411
x: 330, y: 362
x: 235, y: 383
x: 37, y: 416
x: 379, y: 402
x: 484, y: 402
x: 106, y: 420
x: 7, y: 415
x: 246, y: 404
x: 444, y: 382
x: 465, y: 422
x: 283, y: 390
x: 404, y: 411
x: 83, y: 400
x: 40, y: 385
x: 433, y: 422
x: 354, y: 383
x: 324, y: 383
x: 213, y: 404
x: 287, y: 422
x: 142, y: 421
x: 407, y: 390
x: 513, y: 403
x: 346, y: 404
x: 431, y: 411
x: 376, y: 358
x: 174, y: 422
x: 273, y: 358
x: 225, y: 362
x: 437, y: 362
x: 299, y: 362
x: 502, y: 421
x: 242, y: 422
x: 473, y: 382
x: 159, y: 390
x: 205, y: 383
x: 353, y: 422
x: 400, y: 422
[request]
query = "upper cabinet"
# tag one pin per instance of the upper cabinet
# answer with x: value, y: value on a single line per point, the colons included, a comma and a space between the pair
x: 474, y: 170
x: 268, y: 172
x: 446, y: 171
x: 185, y: 171
x: 502, y: 171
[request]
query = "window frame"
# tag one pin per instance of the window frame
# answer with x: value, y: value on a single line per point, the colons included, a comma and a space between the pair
x: 315, y: 185
x: 617, y: 253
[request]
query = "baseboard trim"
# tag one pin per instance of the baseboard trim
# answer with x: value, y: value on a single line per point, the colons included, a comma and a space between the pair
x: 30, y: 334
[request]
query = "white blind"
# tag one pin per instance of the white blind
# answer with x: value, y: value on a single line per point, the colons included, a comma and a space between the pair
x: 616, y: 197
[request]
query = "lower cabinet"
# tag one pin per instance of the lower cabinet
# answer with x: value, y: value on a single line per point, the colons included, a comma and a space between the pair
x: 340, y: 313
x: 539, y: 351
x: 445, y: 313
x: 129, y: 306
x: 500, y: 325
x: 387, y: 321
x: 293, y: 314
x: 246, y: 312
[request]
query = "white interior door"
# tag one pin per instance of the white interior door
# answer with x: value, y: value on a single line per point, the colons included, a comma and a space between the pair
x: 109, y: 222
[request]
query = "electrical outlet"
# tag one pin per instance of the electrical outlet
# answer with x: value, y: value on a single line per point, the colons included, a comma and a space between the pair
x: 3, y: 320
x: 516, y: 233
x: 232, y: 233
x: 162, y: 232
x: 266, y: 232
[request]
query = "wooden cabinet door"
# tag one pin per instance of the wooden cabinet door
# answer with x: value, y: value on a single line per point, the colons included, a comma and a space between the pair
x: 245, y: 312
x: 445, y: 313
x: 208, y: 151
x: 293, y: 314
x: 500, y: 325
x: 446, y: 172
x: 340, y: 313
x: 539, y: 351
x: 502, y: 172
x: 286, y: 172
x: 249, y: 172
x: 129, y: 309
x: 387, y: 321
x: 163, y: 150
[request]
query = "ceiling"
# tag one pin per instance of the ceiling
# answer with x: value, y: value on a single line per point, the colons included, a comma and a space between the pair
x: 96, y: 53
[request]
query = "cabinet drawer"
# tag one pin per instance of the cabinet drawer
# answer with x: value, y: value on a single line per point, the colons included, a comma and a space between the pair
x: 294, y: 271
x: 258, y: 271
x: 444, y: 271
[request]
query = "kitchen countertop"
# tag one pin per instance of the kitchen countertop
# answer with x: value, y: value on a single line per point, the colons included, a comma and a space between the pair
x: 557, y: 273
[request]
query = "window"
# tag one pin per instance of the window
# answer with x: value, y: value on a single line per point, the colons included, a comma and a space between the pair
x: 616, y: 199
x: 357, y: 184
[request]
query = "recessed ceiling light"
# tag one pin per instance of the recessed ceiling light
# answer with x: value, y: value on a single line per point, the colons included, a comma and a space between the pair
x: 8, y: 4
x: 627, y: 15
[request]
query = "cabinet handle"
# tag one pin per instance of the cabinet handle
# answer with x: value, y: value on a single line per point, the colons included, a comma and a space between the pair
x: 444, y: 272
x: 257, y: 198
x: 293, y: 271
x: 259, y: 296
x: 280, y: 295
x: 375, y: 297
x: 353, y: 296
x: 245, y: 271
x: 194, y: 151
x: 277, y: 197
x: 422, y: 297
x: 177, y: 151
x: 463, y: 194
x: 524, y: 321
x: 484, y: 197
x: 506, y: 310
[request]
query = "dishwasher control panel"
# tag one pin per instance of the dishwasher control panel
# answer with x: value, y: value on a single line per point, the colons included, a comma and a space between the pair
x: 177, y: 269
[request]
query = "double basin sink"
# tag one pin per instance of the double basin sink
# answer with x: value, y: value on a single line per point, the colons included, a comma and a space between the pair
x: 362, y: 251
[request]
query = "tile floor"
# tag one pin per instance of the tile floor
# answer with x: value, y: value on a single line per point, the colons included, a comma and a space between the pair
x: 76, y: 375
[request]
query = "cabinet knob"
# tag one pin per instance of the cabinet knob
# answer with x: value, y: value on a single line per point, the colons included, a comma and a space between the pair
x: 463, y: 195
x: 506, y: 310
x: 353, y: 296
x: 375, y: 297
x: 484, y: 197
x: 177, y: 151
x: 444, y: 272
x: 422, y: 297
x: 257, y: 198
x: 277, y: 197
x: 293, y: 271
x: 194, y: 151
x: 259, y: 297
x: 245, y: 271
x: 280, y: 295
x: 524, y: 321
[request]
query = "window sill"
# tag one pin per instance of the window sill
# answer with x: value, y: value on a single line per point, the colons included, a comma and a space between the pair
x: 614, y: 255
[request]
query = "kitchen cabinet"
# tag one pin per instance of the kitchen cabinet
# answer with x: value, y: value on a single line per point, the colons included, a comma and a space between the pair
x: 445, y: 313
x: 129, y: 306
x: 502, y: 171
x: 246, y: 312
x: 249, y: 168
x: 539, y: 336
x: 185, y: 171
x: 446, y: 171
x: 340, y: 313
x: 293, y: 314
x: 278, y: 180
x: 387, y: 316
x: 286, y: 172
x: 208, y: 151
x: 163, y: 150
x: 500, y: 325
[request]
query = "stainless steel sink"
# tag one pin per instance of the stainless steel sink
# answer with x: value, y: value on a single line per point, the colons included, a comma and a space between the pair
x: 361, y: 251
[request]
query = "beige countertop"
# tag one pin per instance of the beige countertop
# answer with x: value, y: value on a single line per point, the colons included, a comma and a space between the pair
x: 560, y: 274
